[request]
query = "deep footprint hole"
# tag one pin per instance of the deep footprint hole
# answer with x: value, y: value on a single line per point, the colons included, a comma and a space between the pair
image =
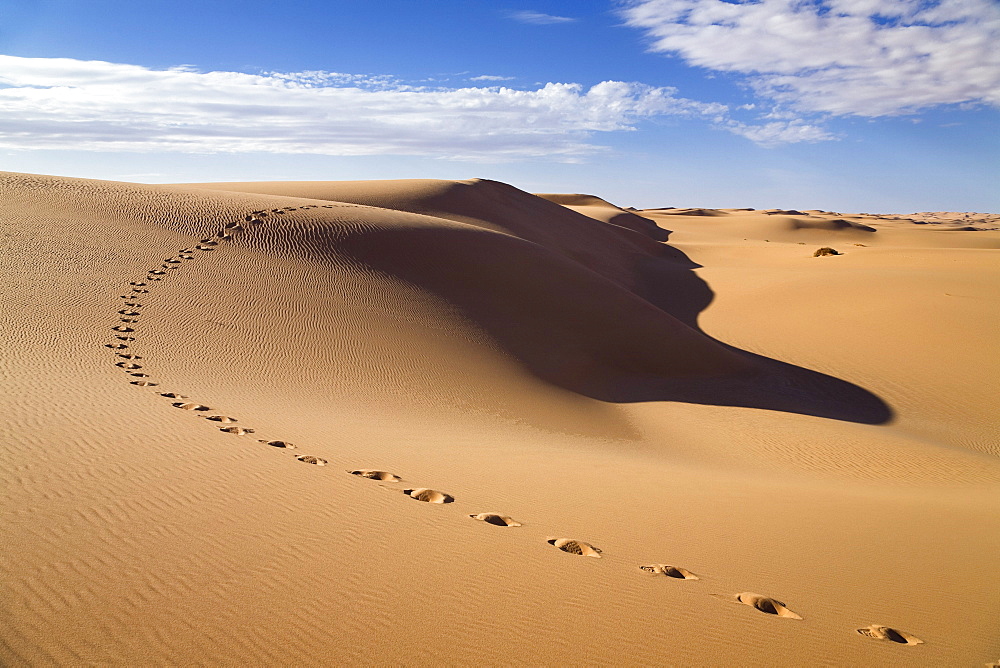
x: 577, y: 547
x: 190, y: 406
x: 428, y: 495
x: 496, y: 519
x: 278, y: 444
x: 383, y: 476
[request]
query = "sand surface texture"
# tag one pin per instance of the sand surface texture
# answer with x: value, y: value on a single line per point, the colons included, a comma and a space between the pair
x: 451, y: 422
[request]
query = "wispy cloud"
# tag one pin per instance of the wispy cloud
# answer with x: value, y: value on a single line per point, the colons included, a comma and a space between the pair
x: 839, y: 57
x: 538, y: 18
x: 775, y: 133
x: 491, y: 77
x: 60, y: 103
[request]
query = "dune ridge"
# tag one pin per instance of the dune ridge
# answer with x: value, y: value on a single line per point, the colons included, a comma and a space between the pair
x: 359, y: 266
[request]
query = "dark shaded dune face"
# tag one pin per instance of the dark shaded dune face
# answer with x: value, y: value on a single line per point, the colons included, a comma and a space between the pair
x: 569, y: 326
x: 575, y: 199
x: 604, y: 211
x: 709, y: 213
x: 603, y: 243
x: 637, y: 223
x: 842, y: 224
x: 830, y: 225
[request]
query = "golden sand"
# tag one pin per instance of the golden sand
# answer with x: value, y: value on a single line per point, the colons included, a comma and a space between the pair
x: 222, y: 400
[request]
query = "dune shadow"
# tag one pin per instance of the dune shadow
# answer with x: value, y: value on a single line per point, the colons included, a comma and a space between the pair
x: 585, y: 332
x: 669, y: 282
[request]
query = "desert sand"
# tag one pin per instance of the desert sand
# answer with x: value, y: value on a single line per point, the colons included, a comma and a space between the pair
x: 453, y: 423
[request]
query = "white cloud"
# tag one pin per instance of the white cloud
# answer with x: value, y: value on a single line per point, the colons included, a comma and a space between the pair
x: 842, y: 57
x: 538, y: 18
x: 779, y: 132
x: 491, y: 77
x: 59, y: 103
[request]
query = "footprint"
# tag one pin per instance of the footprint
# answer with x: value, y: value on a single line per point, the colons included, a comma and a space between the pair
x: 428, y: 495
x: 278, y: 444
x: 157, y: 272
x: 137, y: 285
x: 133, y: 304
x: 128, y: 357
x: 239, y: 431
x: 139, y: 375
x: 125, y: 311
x: 235, y: 227
x: 125, y: 338
x: 575, y: 547
x: 128, y: 321
x: 206, y: 247
x: 122, y: 328
x: 384, y: 476
x: 209, y: 242
x: 771, y: 606
x: 893, y: 635
x: 115, y: 346
x: 221, y: 418
x: 173, y: 395
x: 140, y: 291
x: 309, y: 459
x: 128, y: 365
x: 670, y: 571
x: 496, y: 519
x: 186, y: 257
x: 190, y: 406
x: 143, y: 383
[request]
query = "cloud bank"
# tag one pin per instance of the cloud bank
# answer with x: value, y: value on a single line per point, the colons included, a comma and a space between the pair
x: 841, y: 57
x: 61, y: 103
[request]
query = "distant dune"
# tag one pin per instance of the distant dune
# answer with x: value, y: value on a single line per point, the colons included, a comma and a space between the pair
x: 381, y: 422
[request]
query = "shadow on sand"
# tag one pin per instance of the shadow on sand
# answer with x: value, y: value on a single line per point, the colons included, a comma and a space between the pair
x: 583, y: 331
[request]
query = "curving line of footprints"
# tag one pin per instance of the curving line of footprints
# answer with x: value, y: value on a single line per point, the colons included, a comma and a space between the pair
x: 132, y: 364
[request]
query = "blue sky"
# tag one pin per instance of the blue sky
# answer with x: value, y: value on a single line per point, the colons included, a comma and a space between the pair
x: 851, y: 105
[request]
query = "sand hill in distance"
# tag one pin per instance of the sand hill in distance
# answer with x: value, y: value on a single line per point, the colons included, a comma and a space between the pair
x: 452, y: 422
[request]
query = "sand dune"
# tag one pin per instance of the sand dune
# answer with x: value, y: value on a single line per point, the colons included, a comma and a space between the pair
x: 223, y: 399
